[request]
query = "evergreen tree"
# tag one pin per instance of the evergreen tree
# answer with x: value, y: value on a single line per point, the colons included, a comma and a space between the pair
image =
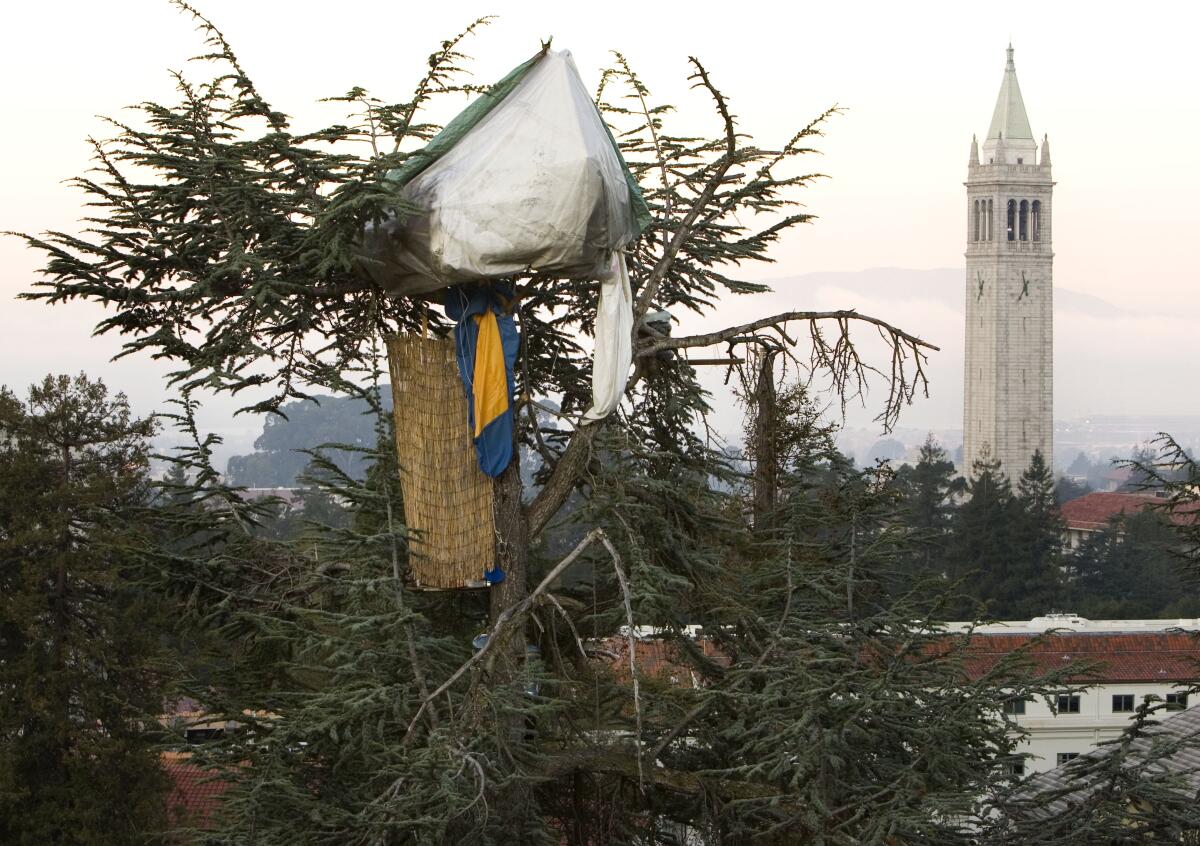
x: 981, y: 549
x: 1066, y: 490
x: 928, y: 488
x: 1174, y: 473
x: 1035, y: 577
x: 81, y: 685
x: 1129, y: 571
x: 833, y: 689
x: 796, y: 701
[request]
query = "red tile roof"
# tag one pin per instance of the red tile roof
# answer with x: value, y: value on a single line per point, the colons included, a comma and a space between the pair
x: 1092, y: 512
x: 195, y: 793
x: 1121, y: 657
x: 658, y: 659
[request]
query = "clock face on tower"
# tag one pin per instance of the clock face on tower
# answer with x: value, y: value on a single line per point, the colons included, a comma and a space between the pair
x: 1026, y: 281
x: 979, y: 283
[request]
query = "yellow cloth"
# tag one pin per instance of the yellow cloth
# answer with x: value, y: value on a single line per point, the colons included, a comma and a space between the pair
x: 490, y: 382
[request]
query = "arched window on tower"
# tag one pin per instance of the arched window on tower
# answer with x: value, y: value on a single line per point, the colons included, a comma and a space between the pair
x: 1035, y: 219
x: 1012, y: 220
x: 975, y: 221
x: 1024, y: 220
x: 989, y: 220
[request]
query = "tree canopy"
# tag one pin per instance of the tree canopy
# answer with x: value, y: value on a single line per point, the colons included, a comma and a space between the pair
x: 728, y: 663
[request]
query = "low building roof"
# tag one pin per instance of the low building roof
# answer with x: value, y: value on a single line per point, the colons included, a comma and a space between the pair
x: 195, y: 793
x: 1093, y: 511
x: 1142, y: 657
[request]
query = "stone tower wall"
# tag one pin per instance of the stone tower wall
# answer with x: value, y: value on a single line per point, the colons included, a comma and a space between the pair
x: 1009, y: 368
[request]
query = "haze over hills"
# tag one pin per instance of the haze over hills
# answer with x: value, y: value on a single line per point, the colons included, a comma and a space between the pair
x: 1109, y: 361
x: 1097, y: 346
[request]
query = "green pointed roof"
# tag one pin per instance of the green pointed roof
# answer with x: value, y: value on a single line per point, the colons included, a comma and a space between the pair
x: 1009, y: 119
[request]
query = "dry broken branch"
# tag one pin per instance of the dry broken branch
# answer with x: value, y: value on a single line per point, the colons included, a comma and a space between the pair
x: 838, y: 357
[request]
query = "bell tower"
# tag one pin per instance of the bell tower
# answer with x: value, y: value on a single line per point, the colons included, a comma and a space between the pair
x: 1009, y: 371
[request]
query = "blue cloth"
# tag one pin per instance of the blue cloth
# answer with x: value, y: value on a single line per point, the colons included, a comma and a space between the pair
x: 464, y: 304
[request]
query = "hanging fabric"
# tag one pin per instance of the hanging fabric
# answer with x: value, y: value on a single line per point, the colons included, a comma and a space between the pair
x: 486, y: 345
x: 614, y: 341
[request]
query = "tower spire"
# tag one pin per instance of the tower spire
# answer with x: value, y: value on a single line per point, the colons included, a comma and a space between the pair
x: 1009, y: 138
x: 1009, y: 120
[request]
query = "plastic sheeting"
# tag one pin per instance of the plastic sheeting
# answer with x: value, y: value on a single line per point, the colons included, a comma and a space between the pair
x: 527, y: 178
x: 614, y: 341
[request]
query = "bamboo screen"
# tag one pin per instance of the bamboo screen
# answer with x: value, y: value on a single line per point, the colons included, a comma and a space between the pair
x: 447, y: 498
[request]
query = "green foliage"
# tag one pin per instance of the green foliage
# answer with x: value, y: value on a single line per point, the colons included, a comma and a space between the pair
x: 982, y: 530
x: 81, y: 680
x: 1175, y: 475
x: 1128, y: 571
x: 225, y: 242
x: 928, y: 489
x: 1036, y: 578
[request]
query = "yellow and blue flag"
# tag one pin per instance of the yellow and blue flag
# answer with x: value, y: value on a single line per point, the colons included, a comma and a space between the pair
x: 486, y: 344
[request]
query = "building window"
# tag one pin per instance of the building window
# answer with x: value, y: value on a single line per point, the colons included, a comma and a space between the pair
x: 1175, y: 701
x: 1122, y: 703
x: 1016, y: 769
x: 1035, y: 219
x: 1063, y: 757
x: 1024, y: 218
x: 988, y: 222
x: 1068, y: 703
x: 1015, y: 706
x: 975, y: 219
x: 1020, y: 160
x: 1012, y: 220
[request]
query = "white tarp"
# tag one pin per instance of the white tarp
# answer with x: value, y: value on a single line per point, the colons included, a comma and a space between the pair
x: 614, y: 342
x: 535, y: 184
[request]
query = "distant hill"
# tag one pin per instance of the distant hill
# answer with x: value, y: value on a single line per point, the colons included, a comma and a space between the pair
x: 276, y: 461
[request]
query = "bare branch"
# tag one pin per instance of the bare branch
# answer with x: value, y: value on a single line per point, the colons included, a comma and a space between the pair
x: 778, y: 321
x: 651, y: 286
x: 839, y: 357
x: 562, y: 480
x: 506, y: 619
x: 633, y: 673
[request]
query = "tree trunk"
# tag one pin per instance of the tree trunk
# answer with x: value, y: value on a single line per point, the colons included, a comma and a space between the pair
x: 508, y: 656
x: 512, y: 544
x: 766, y: 460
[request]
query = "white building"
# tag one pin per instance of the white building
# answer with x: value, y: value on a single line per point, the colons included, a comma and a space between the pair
x: 1008, y: 399
x: 1134, y: 659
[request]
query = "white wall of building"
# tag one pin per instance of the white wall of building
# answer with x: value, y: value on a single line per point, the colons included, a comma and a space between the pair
x: 1052, y: 734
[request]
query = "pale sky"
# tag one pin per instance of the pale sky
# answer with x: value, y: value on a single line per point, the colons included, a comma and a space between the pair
x: 1114, y: 85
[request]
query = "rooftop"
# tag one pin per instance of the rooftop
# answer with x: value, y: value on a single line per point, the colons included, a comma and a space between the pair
x: 1178, y: 736
x: 1070, y: 622
x: 195, y: 792
x: 1144, y: 657
x: 1093, y: 511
